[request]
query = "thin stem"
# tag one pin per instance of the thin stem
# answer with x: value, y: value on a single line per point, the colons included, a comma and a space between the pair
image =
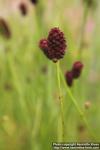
x: 61, y: 102
x: 17, y: 84
x: 74, y: 101
x: 81, y: 38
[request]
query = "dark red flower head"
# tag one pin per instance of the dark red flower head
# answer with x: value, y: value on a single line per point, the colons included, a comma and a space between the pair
x: 4, y: 29
x: 55, y: 45
x: 34, y: 1
x: 23, y: 8
x: 74, y: 73
x: 77, y: 69
x: 69, y: 78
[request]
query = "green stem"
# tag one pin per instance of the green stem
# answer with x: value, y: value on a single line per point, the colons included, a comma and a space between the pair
x: 61, y: 102
x: 74, y: 101
x: 81, y: 38
x: 17, y: 85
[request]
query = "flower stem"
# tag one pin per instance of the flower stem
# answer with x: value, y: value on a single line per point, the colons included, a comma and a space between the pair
x: 61, y: 102
x: 74, y: 101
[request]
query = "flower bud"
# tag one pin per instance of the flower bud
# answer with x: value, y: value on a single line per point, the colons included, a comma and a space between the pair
x: 69, y: 78
x: 77, y: 69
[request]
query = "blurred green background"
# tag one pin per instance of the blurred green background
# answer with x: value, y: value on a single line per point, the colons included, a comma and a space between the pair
x: 29, y: 105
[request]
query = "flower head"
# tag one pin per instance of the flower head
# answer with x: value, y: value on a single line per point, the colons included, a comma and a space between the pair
x: 55, y: 45
x: 77, y: 69
x: 74, y: 73
x: 4, y: 29
x: 91, y: 3
x: 34, y: 1
x: 23, y: 8
x: 69, y: 78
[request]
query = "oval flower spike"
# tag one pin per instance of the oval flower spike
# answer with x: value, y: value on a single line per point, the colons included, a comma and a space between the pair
x: 54, y: 46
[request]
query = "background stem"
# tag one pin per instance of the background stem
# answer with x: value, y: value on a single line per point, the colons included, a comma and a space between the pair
x: 81, y: 37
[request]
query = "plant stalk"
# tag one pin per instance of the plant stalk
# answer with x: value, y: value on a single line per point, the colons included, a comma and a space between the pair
x: 74, y: 101
x: 82, y: 30
x: 61, y: 102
